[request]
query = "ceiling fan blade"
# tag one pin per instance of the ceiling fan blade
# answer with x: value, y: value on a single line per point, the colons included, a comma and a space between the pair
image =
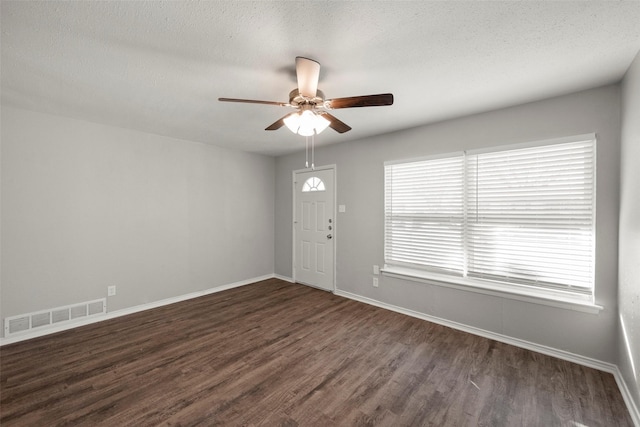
x: 308, y: 74
x: 277, y: 124
x: 360, y: 101
x: 253, y: 101
x: 335, y: 124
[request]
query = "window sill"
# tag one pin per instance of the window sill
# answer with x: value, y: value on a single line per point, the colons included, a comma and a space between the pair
x: 535, y: 296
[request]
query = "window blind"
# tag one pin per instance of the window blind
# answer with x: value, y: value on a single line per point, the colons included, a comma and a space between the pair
x: 424, y: 214
x: 530, y: 215
x: 522, y: 216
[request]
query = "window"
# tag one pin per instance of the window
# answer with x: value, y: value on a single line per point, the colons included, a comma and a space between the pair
x: 521, y: 217
x: 313, y: 184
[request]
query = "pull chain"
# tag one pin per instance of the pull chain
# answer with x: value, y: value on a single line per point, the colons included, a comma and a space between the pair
x: 306, y: 163
x: 313, y: 143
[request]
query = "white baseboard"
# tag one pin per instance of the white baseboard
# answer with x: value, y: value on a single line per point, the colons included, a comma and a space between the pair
x: 125, y: 311
x: 285, y: 278
x: 628, y: 397
x: 549, y: 351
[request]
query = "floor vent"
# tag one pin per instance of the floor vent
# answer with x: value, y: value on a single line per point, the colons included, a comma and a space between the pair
x: 54, y: 316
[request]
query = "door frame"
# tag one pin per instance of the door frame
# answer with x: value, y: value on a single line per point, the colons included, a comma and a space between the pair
x: 294, y: 173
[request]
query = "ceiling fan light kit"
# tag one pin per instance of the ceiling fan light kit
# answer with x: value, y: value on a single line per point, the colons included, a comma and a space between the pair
x: 306, y: 123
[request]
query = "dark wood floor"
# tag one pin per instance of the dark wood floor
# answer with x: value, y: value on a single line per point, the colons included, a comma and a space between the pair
x: 275, y: 353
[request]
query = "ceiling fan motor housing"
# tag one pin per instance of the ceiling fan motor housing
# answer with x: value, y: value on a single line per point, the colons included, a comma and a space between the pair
x: 297, y: 100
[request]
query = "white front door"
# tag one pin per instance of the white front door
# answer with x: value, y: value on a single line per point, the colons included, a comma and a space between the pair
x: 314, y: 228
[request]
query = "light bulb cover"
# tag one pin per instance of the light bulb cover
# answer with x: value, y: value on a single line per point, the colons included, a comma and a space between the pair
x: 292, y: 121
x: 306, y: 123
x: 321, y: 123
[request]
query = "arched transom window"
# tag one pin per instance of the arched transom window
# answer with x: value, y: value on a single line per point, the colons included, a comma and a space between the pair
x: 313, y: 184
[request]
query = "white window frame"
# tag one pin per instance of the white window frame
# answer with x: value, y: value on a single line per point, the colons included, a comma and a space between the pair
x: 542, y: 295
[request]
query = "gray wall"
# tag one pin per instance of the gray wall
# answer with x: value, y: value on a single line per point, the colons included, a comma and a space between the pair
x: 359, y: 230
x: 85, y: 206
x: 629, y: 292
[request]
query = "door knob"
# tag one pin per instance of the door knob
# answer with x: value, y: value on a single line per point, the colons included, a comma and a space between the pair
x: 329, y: 236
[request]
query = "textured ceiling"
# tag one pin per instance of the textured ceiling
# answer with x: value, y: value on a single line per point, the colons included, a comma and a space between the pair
x: 159, y: 67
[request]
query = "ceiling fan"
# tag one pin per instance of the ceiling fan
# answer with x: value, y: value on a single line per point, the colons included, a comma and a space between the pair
x: 312, y: 109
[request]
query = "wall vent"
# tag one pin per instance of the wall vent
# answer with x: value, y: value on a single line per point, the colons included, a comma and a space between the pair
x: 40, y: 319
x: 17, y: 324
x: 53, y: 317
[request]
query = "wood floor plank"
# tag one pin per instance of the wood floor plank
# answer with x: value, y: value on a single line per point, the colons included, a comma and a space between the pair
x: 280, y: 354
